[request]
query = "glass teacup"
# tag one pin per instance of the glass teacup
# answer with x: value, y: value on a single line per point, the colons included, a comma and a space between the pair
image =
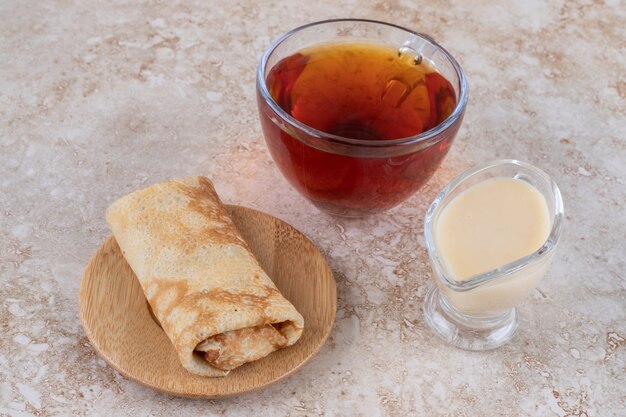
x: 480, y: 313
x: 350, y: 168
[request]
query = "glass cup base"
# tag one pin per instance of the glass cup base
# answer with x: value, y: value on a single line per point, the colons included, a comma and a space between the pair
x: 466, y: 332
x: 346, y: 212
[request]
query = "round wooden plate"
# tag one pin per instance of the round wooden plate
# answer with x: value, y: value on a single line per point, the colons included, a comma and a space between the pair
x: 119, y: 325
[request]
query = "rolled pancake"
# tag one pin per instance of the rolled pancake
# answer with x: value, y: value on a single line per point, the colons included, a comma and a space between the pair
x: 212, y: 298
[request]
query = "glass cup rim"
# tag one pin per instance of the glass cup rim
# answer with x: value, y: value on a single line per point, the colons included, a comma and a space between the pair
x: 329, y: 137
x: 505, y: 270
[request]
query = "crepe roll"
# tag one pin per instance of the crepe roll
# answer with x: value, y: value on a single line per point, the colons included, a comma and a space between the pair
x: 217, y: 306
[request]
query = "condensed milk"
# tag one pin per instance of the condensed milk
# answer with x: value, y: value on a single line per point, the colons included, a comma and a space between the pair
x: 491, y: 224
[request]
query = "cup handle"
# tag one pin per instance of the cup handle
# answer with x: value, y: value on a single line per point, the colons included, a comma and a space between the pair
x: 425, y: 36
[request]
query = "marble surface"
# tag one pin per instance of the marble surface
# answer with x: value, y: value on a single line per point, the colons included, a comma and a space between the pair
x: 98, y: 99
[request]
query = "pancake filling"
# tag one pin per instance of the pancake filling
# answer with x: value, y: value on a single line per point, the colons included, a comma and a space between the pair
x: 231, y: 349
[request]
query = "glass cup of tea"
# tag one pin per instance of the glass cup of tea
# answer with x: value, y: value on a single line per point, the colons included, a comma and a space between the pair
x: 358, y: 114
x: 491, y: 235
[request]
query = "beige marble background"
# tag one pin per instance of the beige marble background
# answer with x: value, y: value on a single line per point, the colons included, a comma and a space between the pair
x: 100, y: 98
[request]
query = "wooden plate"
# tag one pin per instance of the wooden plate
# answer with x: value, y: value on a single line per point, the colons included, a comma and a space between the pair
x: 119, y: 325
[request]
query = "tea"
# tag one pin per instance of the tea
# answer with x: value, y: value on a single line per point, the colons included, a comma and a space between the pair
x: 361, y: 91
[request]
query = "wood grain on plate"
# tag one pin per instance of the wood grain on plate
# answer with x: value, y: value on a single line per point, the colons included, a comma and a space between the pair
x: 118, y: 323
